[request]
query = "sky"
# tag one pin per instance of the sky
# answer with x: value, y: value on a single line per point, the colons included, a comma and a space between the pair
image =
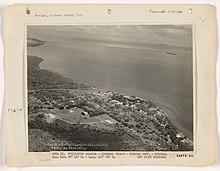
x: 175, y: 35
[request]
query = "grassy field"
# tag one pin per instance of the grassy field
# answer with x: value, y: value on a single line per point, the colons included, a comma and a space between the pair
x: 91, y: 120
x: 106, y: 118
x: 73, y: 115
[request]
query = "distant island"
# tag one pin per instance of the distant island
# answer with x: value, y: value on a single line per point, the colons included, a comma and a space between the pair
x: 34, y: 42
x: 169, y: 53
x: 64, y: 115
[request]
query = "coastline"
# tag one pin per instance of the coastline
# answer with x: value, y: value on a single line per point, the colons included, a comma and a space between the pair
x: 169, y: 111
x: 126, y: 75
x: 154, y: 121
x: 175, y: 122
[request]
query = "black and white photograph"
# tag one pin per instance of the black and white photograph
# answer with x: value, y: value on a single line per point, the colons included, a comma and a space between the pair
x: 110, y: 87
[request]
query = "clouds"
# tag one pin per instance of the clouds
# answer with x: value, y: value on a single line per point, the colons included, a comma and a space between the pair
x: 179, y: 35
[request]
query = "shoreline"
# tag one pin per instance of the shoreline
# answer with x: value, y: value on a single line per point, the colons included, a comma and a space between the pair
x: 152, y: 126
x: 167, y: 110
x: 148, y: 121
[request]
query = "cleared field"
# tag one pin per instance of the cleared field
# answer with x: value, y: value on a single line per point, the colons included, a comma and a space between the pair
x: 91, y: 120
x: 103, y: 121
x: 105, y: 126
x: 106, y: 118
x: 73, y: 115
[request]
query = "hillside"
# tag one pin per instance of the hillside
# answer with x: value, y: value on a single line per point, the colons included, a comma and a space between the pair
x: 66, y: 115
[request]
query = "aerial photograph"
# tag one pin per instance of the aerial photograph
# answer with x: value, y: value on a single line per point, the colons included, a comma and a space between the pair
x: 110, y: 87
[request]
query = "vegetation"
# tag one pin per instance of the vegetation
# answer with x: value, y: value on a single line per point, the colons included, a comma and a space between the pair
x: 67, y: 115
x: 44, y: 79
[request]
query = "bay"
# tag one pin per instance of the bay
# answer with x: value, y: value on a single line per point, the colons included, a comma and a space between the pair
x: 155, y: 72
